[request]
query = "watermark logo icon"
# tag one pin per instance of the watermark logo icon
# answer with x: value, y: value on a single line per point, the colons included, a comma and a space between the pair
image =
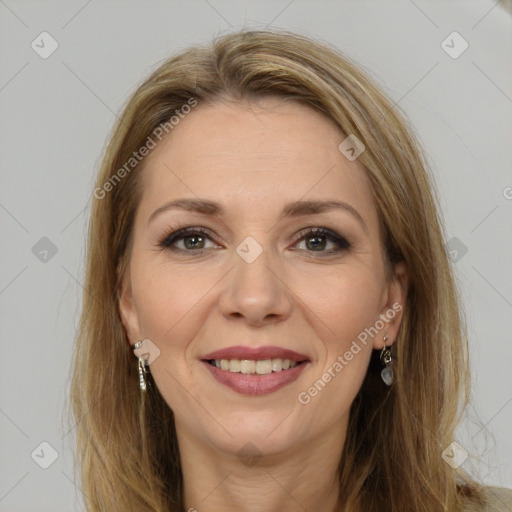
x: 148, y: 351
x: 249, y: 249
x: 249, y: 454
x: 351, y: 147
x: 44, y: 250
x: 44, y: 45
x: 44, y: 455
x: 454, y: 455
x: 456, y: 249
x: 454, y: 45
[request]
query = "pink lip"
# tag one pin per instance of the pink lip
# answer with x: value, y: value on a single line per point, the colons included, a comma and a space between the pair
x: 253, y: 384
x: 265, y: 352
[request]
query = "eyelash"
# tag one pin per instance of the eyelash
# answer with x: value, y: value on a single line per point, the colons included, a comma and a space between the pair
x: 180, y: 234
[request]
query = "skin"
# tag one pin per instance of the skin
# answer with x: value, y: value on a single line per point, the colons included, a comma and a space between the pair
x: 253, y: 159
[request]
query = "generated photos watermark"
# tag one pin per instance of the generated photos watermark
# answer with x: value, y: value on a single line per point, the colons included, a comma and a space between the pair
x: 137, y: 156
x: 304, y: 397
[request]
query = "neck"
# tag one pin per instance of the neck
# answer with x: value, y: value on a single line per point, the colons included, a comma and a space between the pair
x: 304, y: 477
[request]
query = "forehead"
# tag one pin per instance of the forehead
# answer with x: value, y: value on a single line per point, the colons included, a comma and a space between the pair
x: 255, y: 155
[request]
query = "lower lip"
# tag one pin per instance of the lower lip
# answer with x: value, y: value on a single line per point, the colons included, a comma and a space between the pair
x: 253, y: 384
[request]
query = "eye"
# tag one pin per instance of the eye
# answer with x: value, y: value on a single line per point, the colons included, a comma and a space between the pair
x: 193, y: 239
x: 318, y: 240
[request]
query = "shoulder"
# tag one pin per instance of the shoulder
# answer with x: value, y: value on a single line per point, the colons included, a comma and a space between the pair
x: 494, y: 499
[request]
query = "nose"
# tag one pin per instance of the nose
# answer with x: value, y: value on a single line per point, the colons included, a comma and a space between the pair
x: 256, y: 292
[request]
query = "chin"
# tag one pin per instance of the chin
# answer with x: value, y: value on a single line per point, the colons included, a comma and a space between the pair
x: 266, y: 433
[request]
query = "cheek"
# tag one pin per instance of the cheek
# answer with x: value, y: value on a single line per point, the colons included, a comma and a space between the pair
x: 169, y: 303
x: 165, y: 296
x: 346, y: 305
x: 347, y: 300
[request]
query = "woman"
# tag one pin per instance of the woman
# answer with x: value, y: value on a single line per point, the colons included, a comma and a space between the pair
x: 271, y: 321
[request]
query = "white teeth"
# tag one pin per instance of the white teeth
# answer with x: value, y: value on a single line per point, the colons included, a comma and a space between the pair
x: 234, y: 365
x: 260, y: 367
x: 263, y: 367
x: 247, y: 366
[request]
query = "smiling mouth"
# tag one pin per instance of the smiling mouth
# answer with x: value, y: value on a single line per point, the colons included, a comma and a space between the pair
x: 254, y: 366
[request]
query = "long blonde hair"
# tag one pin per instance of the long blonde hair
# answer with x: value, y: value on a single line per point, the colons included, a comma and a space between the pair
x: 127, y: 447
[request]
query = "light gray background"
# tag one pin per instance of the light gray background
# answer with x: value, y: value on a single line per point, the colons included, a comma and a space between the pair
x: 55, y: 117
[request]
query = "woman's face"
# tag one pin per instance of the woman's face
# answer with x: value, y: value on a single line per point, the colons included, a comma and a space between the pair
x: 253, y: 271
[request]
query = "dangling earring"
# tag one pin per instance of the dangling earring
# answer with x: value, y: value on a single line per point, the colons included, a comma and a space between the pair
x: 143, y: 369
x: 386, y: 359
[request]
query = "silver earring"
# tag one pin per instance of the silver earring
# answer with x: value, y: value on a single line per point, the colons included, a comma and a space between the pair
x: 386, y: 359
x: 143, y: 368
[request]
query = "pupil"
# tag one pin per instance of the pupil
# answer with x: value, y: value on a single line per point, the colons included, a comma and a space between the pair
x: 192, y: 245
x: 320, y: 242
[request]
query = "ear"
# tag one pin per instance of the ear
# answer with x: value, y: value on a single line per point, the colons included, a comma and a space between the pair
x: 128, y: 310
x: 394, y: 302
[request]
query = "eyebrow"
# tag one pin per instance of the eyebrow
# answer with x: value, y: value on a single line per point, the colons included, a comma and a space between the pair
x: 295, y: 209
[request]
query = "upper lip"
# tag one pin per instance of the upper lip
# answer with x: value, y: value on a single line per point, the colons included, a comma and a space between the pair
x: 265, y: 352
